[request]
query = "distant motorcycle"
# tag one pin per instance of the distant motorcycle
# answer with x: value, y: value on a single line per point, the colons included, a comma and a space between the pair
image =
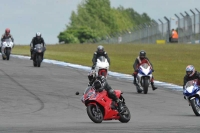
x: 144, y: 77
x: 100, y: 107
x: 7, y: 46
x: 192, y: 95
x: 38, y: 53
x: 102, y: 66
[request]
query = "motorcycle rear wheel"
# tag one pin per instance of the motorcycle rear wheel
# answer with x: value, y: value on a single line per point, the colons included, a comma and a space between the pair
x: 95, y: 115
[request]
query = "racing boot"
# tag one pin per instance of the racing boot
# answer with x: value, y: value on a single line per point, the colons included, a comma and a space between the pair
x: 31, y: 56
x: 120, y: 106
x: 153, y: 86
x: 31, y: 52
x: 134, y: 81
x: 3, y: 54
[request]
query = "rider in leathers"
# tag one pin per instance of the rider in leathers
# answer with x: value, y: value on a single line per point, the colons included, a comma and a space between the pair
x: 100, y: 84
x: 191, y: 74
x: 6, y: 35
x: 138, y: 61
x: 100, y: 52
x: 36, y: 40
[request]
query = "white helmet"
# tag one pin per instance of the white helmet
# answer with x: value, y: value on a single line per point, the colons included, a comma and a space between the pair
x: 38, y: 34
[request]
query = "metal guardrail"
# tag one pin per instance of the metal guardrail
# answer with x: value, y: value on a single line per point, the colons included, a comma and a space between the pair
x: 188, y: 29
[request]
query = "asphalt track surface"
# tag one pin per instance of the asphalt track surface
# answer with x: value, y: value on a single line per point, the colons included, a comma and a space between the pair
x: 43, y: 100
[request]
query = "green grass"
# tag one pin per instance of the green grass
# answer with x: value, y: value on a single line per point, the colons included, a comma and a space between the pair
x: 169, y: 60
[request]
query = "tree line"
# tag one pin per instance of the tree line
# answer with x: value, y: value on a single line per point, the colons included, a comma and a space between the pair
x: 96, y: 20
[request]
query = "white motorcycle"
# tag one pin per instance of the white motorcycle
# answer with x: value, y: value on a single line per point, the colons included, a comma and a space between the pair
x: 144, y: 77
x: 192, y: 95
x: 6, y: 48
x: 102, y: 66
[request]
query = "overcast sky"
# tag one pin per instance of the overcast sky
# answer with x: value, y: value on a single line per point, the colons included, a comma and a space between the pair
x: 26, y: 17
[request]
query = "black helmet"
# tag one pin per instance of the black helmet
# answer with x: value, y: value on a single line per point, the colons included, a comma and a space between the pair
x: 97, y: 85
x: 100, y: 49
x: 142, y: 54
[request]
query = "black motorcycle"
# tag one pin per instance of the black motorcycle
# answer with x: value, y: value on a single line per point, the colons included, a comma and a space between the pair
x: 38, y: 53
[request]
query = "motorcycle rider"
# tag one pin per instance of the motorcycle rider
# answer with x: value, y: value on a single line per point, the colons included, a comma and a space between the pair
x: 100, y: 84
x: 140, y: 60
x: 36, y: 40
x: 100, y: 52
x: 191, y: 74
x: 6, y: 35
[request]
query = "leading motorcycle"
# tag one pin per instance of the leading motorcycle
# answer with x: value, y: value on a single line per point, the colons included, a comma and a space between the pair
x: 7, y: 46
x: 100, y: 107
x: 191, y: 93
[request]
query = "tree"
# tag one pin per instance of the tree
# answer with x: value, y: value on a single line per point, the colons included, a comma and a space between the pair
x: 96, y: 19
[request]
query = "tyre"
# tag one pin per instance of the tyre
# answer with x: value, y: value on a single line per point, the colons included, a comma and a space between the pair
x: 8, y: 54
x: 95, y: 115
x: 125, y: 116
x: 39, y: 60
x: 34, y: 64
x: 138, y: 89
x: 195, y: 107
x: 3, y: 58
x: 145, y: 85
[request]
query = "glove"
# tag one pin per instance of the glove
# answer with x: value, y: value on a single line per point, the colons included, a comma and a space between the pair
x: 136, y: 70
x: 152, y: 70
x: 92, y: 72
x: 89, y: 84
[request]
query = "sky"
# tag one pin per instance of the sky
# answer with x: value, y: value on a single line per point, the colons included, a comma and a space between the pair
x: 50, y: 17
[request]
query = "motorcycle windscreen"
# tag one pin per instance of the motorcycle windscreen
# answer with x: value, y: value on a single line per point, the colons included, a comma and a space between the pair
x: 145, y: 65
x: 102, y: 58
x: 190, y: 83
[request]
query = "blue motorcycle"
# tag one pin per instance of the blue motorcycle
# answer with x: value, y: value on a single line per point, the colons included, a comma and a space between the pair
x: 191, y: 93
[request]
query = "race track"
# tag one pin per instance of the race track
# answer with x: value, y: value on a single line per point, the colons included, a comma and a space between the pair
x: 43, y: 100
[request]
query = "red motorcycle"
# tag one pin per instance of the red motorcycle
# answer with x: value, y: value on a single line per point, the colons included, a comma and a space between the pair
x: 100, y: 107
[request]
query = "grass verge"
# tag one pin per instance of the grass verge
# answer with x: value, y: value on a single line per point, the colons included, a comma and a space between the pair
x: 169, y: 60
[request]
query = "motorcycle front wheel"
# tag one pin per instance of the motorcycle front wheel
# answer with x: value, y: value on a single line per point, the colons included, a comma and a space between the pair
x: 39, y: 60
x: 95, y: 115
x: 145, y: 85
x: 125, y: 116
x: 195, y: 107
x: 8, y: 54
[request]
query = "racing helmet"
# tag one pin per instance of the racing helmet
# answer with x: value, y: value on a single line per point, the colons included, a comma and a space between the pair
x: 142, y: 54
x: 38, y: 35
x: 190, y: 70
x: 100, y: 49
x: 7, y: 31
